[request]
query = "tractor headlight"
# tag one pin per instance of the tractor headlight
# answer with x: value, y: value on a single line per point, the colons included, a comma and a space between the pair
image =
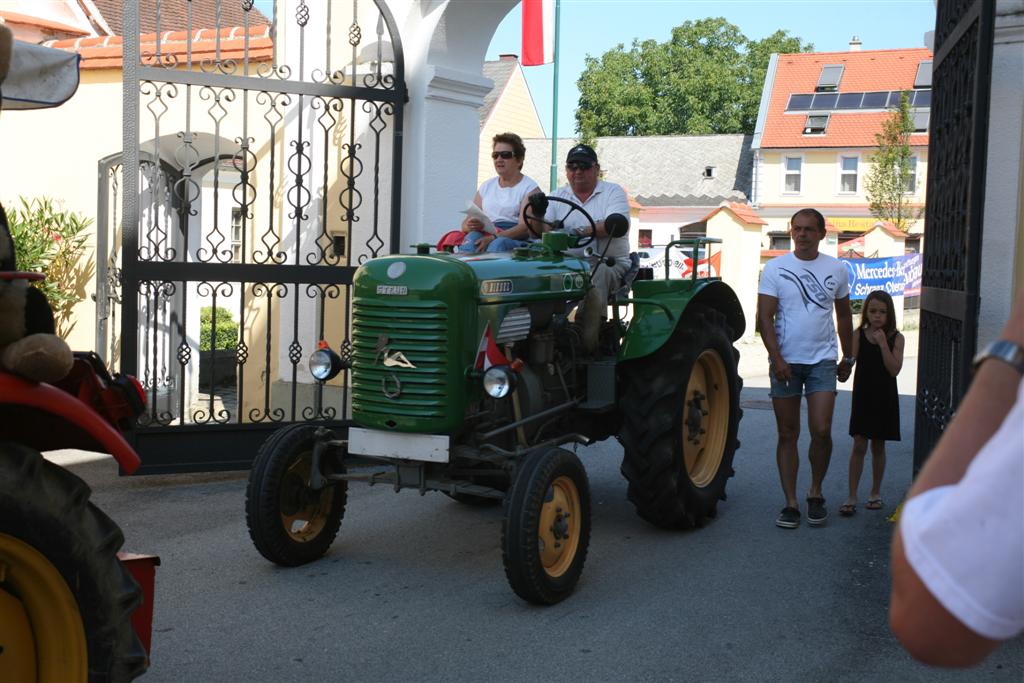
x: 499, y: 381
x: 324, y: 364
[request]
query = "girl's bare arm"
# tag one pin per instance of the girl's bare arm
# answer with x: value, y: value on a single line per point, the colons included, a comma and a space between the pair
x: 893, y: 358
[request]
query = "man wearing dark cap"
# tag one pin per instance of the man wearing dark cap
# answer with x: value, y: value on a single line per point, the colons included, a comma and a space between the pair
x: 600, y: 199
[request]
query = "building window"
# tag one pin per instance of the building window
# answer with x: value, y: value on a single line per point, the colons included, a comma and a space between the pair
x: 778, y: 241
x: 236, y: 235
x: 829, y: 79
x: 709, y: 171
x: 920, y: 118
x: 816, y: 124
x: 644, y: 238
x: 793, y: 171
x: 848, y: 174
x: 924, y: 75
x: 910, y: 187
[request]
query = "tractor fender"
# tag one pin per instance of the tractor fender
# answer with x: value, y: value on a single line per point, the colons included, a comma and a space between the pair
x: 101, y: 435
x: 657, y: 316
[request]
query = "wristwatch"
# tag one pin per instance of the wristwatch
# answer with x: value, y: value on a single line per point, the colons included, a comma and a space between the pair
x: 1002, y: 349
x: 849, y: 360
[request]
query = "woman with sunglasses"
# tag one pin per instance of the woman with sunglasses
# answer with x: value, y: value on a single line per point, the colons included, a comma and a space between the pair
x: 502, y: 197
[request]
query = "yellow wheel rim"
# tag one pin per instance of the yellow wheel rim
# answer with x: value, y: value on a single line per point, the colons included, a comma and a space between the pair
x: 304, y: 512
x: 41, y: 628
x: 705, y: 418
x: 558, y: 536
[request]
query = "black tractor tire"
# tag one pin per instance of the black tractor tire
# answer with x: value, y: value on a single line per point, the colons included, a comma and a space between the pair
x: 546, y: 529
x: 681, y: 413
x: 290, y: 523
x: 51, y: 536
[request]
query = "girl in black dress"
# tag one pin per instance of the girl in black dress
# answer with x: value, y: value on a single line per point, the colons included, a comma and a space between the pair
x: 875, y: 416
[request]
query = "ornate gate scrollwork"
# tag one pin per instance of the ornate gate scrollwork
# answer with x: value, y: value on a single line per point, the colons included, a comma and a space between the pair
x: 953, y: 229
x: 260, y: 167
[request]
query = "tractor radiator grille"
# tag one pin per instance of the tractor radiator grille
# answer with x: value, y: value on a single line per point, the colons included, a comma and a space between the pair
x: 416, y: 333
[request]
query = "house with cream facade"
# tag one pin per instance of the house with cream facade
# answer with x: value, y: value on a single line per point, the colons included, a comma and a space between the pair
x: 815, y: 136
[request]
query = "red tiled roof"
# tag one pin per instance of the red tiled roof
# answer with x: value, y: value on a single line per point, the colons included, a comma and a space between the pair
x: 47, y: 24
x: 174, y: 16
x: 890, y: 228
x: 864, y: 71
x: 106, y: 52
x: 741, y: 211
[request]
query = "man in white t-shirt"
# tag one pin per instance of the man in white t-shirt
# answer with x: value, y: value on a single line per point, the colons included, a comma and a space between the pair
x: 795, y: 300
x: 600, y: 199
x: 958, y: 554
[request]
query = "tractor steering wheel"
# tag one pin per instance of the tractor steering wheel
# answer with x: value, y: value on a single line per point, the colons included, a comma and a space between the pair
x: 538, y: 205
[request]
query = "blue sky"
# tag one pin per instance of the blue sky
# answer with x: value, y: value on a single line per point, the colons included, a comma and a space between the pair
x: 596, y: 26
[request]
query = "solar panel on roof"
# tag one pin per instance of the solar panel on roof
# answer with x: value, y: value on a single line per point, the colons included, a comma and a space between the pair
x: 849, y: 100
x: 922, y: 98
x: 825, y: 100
x: 875, y: 100
x: 799, y: 102
x: 920, y: 118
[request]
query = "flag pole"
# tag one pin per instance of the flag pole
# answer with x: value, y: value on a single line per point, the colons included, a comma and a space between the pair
x: 554, y: 104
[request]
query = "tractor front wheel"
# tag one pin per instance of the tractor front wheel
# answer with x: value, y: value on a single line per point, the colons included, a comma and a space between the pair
x: 546, y: 530
x: 65, y: 600
x: 680, y: 418
x: 291, y: 523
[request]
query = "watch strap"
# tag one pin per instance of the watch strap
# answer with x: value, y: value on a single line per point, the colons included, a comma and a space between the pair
x: 1004, y: 350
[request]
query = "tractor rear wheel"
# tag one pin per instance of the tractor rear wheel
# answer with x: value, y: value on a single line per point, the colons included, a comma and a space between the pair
x: 546, y: 530
x: 681, y: 415
x: 66, y: 601
x: 289, y: 522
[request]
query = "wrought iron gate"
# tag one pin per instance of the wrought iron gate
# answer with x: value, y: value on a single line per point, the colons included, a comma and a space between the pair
x: 260, y: 167
x: 953, y: 229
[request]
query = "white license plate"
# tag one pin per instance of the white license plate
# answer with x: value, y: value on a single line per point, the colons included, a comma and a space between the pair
x: 398, y: 445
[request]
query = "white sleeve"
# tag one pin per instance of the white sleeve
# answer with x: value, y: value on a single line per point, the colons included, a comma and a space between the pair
x: 768, y: 284
x: 843, y: 282
x: 966, y: 541
x: 616, y: 202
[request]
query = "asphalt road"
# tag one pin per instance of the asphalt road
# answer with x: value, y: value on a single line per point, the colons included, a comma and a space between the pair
x: 413, y: 588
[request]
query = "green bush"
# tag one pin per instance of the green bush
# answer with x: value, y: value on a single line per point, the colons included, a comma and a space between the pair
x: 50, y: 240
x: 227, y: 329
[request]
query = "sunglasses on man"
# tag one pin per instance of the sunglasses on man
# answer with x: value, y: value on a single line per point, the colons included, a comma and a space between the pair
x: 504, y: 154
x: 579, y: 166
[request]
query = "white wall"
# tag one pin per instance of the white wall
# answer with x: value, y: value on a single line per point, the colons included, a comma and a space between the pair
x: 1002, y: 248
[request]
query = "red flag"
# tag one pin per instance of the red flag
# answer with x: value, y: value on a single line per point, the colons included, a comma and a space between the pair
x: 488, y: 353
x: 538, y: 32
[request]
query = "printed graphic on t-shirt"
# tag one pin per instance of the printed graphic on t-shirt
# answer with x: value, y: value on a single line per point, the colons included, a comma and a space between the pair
x: 812, y: 292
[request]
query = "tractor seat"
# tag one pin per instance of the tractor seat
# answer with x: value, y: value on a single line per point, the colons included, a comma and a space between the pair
x: 627, y: 278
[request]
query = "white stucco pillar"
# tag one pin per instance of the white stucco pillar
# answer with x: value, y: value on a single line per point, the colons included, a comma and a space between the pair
x: 444, y: 44
x: 1002, y: 248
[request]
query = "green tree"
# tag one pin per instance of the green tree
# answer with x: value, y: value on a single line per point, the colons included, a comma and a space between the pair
x: 707, y: 78
x: 888, y: 185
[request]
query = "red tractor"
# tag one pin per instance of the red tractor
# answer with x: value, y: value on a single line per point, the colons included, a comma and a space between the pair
x: 70, y: 609
x: 71, y: 606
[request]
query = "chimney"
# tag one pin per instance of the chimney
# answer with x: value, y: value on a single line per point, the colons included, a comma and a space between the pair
x: 855, y: 44
x: 509, y: 56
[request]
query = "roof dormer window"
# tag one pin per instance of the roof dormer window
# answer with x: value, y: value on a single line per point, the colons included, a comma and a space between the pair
x: 920, y: 118
x: 924, y: 75
x: 829, y: 79
x: 816, y: 124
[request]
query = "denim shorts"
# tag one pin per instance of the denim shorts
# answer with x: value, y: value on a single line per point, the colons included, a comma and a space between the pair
x: 820, y: 376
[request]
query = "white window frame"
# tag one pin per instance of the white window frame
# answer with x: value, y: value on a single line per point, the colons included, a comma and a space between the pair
x: 913, y: 172
x: 236, y: 234
x: 786, y: 173
x: 843, y: 172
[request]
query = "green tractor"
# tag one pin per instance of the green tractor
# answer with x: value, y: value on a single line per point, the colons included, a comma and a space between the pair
x: 471, y: 375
